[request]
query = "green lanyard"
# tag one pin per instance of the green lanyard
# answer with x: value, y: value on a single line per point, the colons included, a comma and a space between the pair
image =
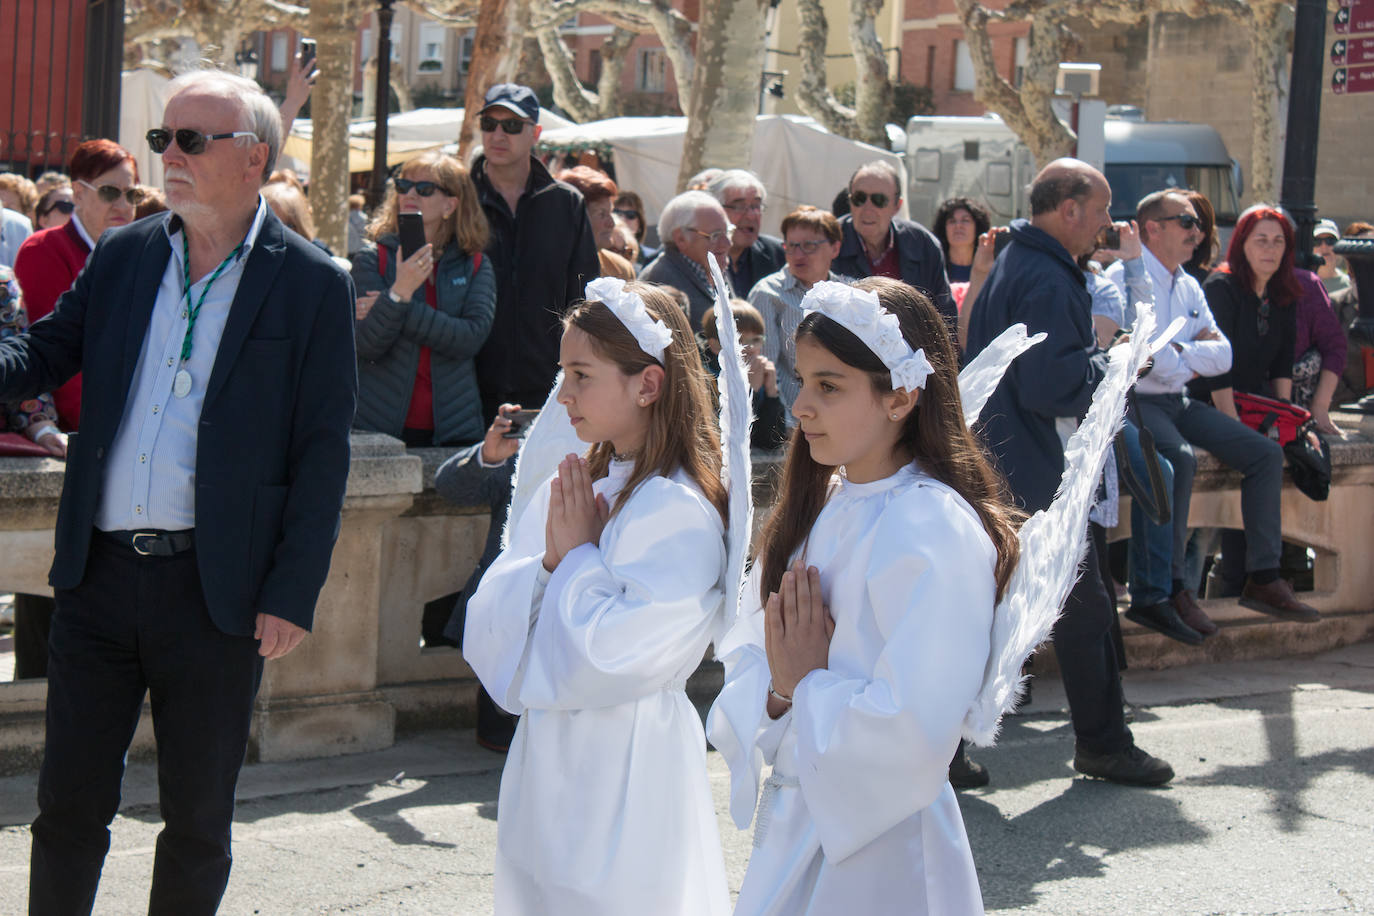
x: 193, y: 311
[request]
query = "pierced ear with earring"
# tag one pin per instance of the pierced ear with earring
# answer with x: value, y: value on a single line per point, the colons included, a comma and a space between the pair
x: 643, y: 402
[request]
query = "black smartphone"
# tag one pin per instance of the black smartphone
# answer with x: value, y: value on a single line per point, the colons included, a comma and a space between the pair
x: 308, y: 51
x: 1000, y: 243
x: 519, y: 423
x: 411, y: 228
x: 1110, y: 238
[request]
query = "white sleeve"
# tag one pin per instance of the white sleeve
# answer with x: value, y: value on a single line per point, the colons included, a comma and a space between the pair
x: 738, y: 725
x: 1206, y: 357
x: 625, y: 619
x: 501, y: 613
x: 874, y: 751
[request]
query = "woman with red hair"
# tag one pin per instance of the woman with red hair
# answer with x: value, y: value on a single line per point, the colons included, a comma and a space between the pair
x: 103, y: 178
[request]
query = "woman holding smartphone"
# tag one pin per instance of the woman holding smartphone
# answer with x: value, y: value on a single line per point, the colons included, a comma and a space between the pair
x: 426, y: 297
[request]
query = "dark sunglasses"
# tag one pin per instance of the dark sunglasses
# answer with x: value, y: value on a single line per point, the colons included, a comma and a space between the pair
x: 423, y: 188
x: 626, y: 214
x: 191, y: 142
x: 1186, y: 221
x: 108, y: 194
x: 511, y: 126
x: 859, y: 198
x: 66, y: 206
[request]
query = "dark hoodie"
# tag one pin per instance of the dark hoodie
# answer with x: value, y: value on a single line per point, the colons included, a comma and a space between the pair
x: 1036, y: 282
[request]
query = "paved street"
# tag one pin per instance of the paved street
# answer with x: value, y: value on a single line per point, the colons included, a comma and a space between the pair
x: 1272, y: 812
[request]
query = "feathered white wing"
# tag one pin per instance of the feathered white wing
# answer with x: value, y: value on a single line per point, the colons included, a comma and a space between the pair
x: 551, y: 439
x: 1054, y: 540
x: 736, y: 415
x: 980, y: 378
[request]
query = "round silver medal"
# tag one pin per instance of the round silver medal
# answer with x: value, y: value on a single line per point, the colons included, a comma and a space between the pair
x: 181, y: 384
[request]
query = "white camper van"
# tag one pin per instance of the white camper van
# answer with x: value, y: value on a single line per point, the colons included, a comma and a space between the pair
x: 981, y: 158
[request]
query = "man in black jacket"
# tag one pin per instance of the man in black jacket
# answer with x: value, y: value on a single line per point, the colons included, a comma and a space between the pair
x: 1045, y: 392
x: 542, y: 248
x: 877, y: 243
x: 202, y: 496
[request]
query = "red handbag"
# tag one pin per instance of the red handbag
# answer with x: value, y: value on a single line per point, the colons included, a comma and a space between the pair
x: 13, y: 445
x: 1279, y: 420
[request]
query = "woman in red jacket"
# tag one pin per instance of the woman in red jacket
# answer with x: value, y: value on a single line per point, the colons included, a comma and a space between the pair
x: 103, y: 178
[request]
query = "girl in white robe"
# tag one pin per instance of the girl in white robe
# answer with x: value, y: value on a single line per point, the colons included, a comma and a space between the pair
x: 591, y: 620
x: 865, y: 626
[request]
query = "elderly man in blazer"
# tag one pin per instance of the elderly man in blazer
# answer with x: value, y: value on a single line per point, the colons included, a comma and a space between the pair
x: 202, y: 495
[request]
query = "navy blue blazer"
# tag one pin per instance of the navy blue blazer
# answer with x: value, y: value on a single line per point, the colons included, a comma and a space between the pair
x: 272, y: 449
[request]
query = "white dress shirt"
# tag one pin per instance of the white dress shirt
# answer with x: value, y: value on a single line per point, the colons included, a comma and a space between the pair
x: 150, y: 476
x: 1177, y: 294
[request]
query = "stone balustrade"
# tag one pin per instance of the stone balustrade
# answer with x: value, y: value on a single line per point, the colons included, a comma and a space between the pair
x: 363, y: 672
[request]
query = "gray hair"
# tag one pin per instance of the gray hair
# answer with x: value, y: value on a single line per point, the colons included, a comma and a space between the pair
x: 679, y: 213
x: 883, y: 169
x: 737, y: 179
x: 260, y: 116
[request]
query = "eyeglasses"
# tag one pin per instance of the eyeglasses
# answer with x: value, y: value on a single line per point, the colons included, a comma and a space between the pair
x: 626, y: 214
x: 191, y: 142
x: 1262, y: 319
x: 755, y: 341
x: 740, y: 206
x: 711, y: 238
x: 108, y: 194
x: 859, y: 198
x: 65, y: 206
x: 1323, y: 241
x: 423, y: 188
x: 810, y: 247
x: 511, y: 126
x: 1186, y: 221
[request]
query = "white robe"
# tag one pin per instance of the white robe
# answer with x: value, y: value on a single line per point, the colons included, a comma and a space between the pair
x: 858, y: 815
x: 605, y: 805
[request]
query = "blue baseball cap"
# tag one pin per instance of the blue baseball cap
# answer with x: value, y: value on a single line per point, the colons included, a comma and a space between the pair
x: 515, y: 98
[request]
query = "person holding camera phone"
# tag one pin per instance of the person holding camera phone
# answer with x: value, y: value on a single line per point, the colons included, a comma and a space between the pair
x: 426, y: 297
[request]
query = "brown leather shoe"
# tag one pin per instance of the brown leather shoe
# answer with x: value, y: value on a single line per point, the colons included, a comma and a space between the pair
x: 1278, y: 600
x: 1192, y: 614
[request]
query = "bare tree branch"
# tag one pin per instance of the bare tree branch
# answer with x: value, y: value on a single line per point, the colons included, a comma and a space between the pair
x: 814, y: 96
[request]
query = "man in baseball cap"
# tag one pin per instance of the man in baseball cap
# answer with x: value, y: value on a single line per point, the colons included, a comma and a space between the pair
x: 513, y: 97
x: 1324, y: 237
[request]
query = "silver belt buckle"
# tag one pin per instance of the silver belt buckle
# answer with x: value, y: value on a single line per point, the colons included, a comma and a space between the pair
x: 134, y: 543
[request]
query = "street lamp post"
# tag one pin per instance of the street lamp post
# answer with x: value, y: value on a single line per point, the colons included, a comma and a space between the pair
x: 1304, y: 121
x: 379, y: 169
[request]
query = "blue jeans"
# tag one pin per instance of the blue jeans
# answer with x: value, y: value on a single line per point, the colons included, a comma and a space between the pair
x: 1151, y: 552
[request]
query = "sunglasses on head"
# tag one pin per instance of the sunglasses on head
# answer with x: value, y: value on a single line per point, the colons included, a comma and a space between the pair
x: 107, y: 193
x: 1186, y: 221
x: 191, y: 142
x: 66, y: 206
x: 511, y: 126
x: 859, y: 198
x: 423, y: 188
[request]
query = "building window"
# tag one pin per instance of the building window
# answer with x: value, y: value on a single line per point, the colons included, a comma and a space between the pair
x: 652, y: 73
x: 279, y: 52
x: 465, y: 53
x: 1019, y: 67
x: 431, y: 56
x: 964, y: 79
x: 594, y: 67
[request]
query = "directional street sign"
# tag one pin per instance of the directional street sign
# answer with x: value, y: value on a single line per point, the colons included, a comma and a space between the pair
x: 1352, y: 79
x: 1349, y: 52
x: 1354, y: 16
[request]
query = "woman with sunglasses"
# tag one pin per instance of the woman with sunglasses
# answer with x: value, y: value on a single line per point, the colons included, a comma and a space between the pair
x: 421, y: 319
x: 103, y: 178
x: 54, y: 208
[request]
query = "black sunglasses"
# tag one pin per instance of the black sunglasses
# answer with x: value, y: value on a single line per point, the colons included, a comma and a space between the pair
x: 1186, y: 221
x: 859, y: 198
x: 108, y: 193
x: 511, y: 126
x: 66, y: 206
x: 423, y: 188
x: 191, y: 142
x: 626, y: 214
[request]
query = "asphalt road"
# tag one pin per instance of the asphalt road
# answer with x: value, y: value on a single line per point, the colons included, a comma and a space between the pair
x: 1272, y: 812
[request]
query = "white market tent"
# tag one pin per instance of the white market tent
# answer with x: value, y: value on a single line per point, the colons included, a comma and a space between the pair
x: 798, y: 161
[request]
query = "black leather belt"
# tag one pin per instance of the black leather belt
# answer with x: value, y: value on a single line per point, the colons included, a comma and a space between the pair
x: 153, y: 543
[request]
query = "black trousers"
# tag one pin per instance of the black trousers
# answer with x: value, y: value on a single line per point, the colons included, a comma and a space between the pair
x: 139, y: 625
x: 1087, y: 658
x: 32, y: 618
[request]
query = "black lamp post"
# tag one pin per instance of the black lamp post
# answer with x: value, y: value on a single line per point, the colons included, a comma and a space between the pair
x: 1304, y: 122
x: 379, y: 169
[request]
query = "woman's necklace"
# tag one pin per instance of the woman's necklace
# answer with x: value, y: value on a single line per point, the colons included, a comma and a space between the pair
x: 628, y: 456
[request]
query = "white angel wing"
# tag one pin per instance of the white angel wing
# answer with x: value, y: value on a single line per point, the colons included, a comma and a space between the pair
x: 980, y: 378
x: 1054, y: 540
x: 736, y: 415
x: 551, y: 439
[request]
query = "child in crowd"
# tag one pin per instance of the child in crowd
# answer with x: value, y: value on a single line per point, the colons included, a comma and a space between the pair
x: 770, y: 427
x: 591, y: 620
x: 864, y: 632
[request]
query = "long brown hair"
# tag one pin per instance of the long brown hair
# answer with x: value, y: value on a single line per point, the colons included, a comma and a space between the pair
x: 682, y: 429
x: 468, y: 224
x: 934, y: 433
